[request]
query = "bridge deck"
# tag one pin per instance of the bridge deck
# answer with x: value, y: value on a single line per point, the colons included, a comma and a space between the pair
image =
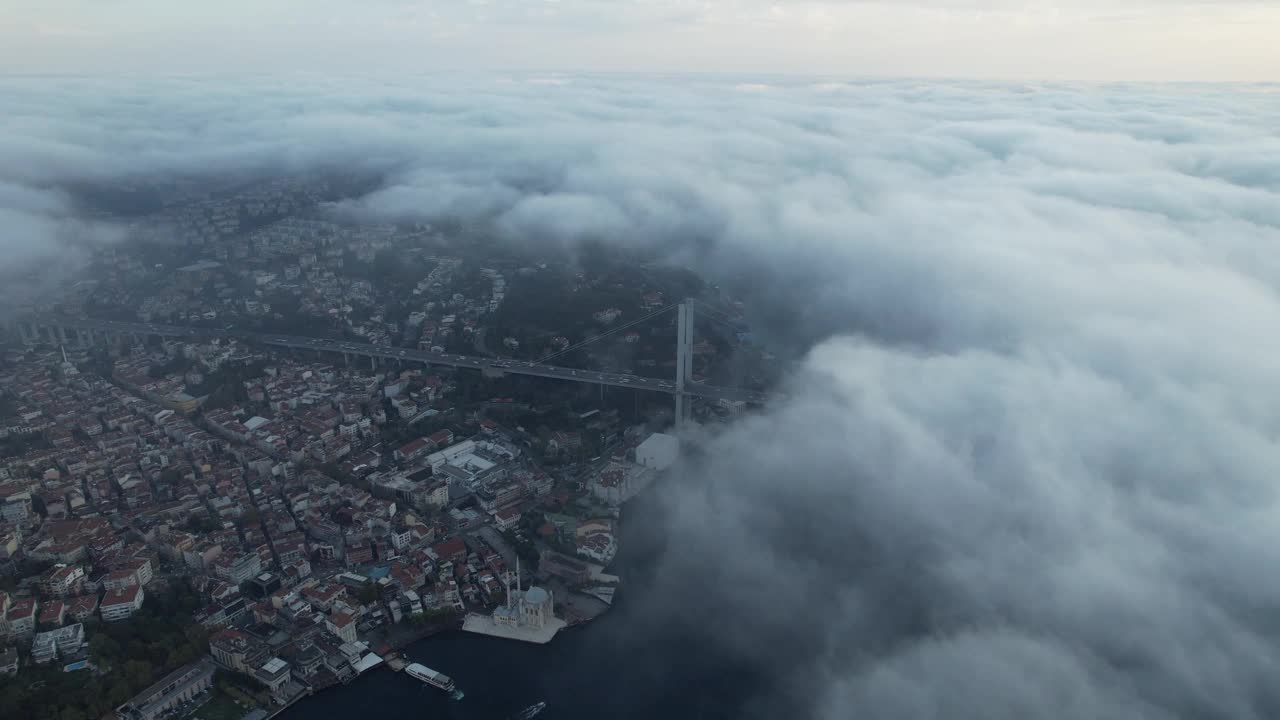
x: 515, y: 367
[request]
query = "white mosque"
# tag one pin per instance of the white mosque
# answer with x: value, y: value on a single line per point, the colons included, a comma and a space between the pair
x: 527, y: 615
x: 530, y: 608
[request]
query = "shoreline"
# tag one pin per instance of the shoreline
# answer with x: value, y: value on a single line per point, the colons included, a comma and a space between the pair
x: 473, y: 659
x: 396, y: 644
x: 402, y: 638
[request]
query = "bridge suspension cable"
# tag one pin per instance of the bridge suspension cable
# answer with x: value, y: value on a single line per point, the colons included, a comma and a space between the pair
x: 713, y: 314
x: 605, y: 334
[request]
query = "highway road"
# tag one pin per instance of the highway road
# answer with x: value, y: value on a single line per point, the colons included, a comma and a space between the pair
x: 514, y: 367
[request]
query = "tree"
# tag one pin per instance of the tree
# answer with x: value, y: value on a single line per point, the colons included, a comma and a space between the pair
x: 433, y: 615
x: 130, y: 655
x: 201, y: 524
x: 119, y: 693
x: 103, y: 647
x: 138, y: 673
x: 524, y: 549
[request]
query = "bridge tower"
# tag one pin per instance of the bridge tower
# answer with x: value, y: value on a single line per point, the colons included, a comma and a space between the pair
x: 684, y: 362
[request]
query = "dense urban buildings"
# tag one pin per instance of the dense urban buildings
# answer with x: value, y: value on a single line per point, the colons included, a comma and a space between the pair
x: 317, y: 508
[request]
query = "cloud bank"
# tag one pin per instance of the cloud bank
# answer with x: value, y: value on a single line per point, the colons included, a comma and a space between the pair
x: 1027, y: 465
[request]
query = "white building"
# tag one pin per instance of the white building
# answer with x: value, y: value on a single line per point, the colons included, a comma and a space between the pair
x: 143, y: 569
x: 342, y: 625
x: 169, y: 693
x: 506, y: 518
x: 659, y: 451
x: 599, y: 547
x: 438, y: 495
x: 120, y: 579
x: 620, y: 481
x: 439, y: 458
x: 62, y: 580
x: 530, y: 608
x: 242, y: 568
x: 275, y: 674
x: 535, y: 607
x: 22, y: 617
x: 48, y: 645
x: 612, y: 485
x: 121, y: 604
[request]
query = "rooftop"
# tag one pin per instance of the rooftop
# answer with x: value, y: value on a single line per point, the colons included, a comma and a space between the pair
x: 124, y: 595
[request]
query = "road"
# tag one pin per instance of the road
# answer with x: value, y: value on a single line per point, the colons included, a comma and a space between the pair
x: 508, y: 366
x: 495, y: 540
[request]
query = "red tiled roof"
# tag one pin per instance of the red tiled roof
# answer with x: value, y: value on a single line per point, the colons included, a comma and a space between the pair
x: 412, y: 446
x: 22, y: 609
x: 127, y: 595
x: 450, y: 548
x: 52, y: 611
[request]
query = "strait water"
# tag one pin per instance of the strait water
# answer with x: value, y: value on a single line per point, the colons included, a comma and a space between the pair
x: 623, y: 665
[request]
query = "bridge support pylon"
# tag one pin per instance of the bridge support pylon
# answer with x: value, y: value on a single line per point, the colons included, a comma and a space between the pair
x: 684, y: 362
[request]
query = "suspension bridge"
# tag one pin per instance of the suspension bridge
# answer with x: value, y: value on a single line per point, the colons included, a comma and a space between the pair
x: 85, y: 332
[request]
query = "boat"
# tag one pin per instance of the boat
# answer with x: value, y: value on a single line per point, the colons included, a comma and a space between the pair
x: 529, y: 712
x: 433, y: 678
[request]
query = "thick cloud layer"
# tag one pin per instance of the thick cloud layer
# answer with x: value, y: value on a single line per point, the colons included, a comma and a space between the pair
x: 1027, y: 468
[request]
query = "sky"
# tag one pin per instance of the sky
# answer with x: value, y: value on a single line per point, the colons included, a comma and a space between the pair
x: 1179, y: 40
x: 1024, y: 463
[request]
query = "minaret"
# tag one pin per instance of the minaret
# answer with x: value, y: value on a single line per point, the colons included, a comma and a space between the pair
x: 518, y: 589
x: 506, y: 585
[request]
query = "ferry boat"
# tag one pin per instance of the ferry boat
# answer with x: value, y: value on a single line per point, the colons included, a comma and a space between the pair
x: 530, y: 711
x: 433, y: 678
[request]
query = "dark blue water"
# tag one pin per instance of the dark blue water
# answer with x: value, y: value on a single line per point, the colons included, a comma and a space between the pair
x: 634, y: 662
x: 577, y: 676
